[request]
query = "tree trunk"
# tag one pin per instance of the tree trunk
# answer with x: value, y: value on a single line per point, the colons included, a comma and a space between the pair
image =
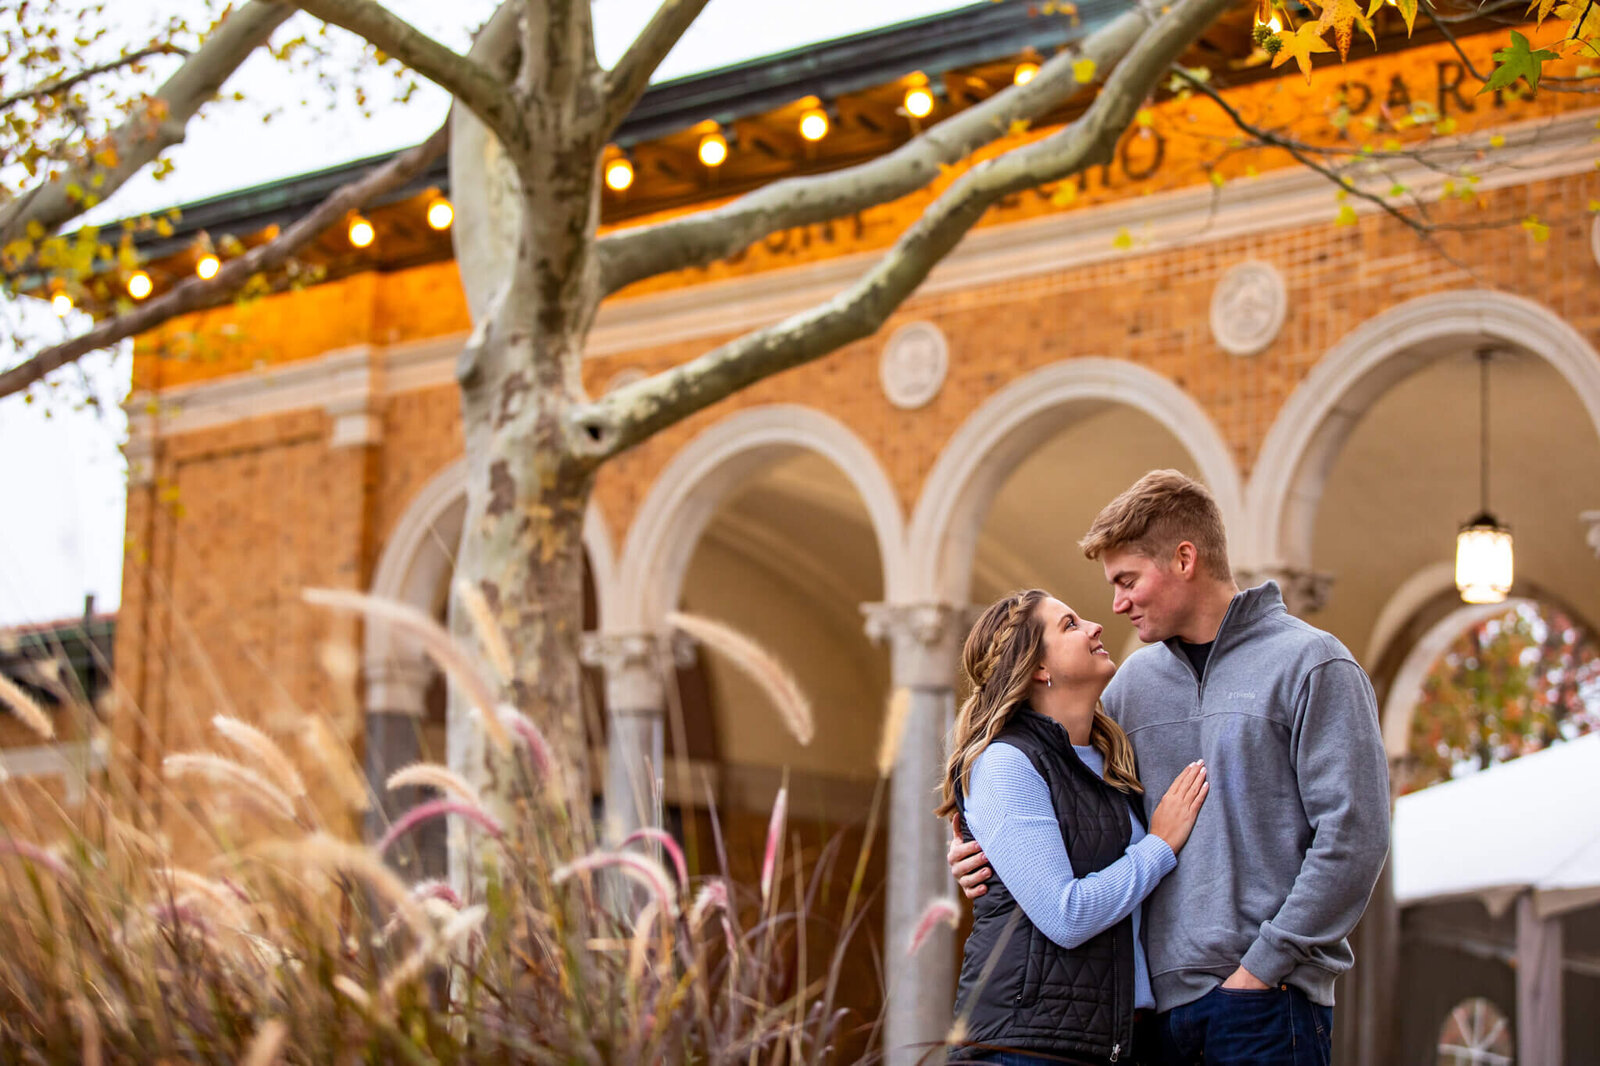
x: 522, y: 548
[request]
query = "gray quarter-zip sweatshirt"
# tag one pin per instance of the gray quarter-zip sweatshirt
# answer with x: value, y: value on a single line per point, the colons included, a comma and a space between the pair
x: 1294, y: 831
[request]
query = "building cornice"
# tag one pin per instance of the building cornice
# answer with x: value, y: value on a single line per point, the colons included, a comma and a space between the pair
x: 1284, y: 199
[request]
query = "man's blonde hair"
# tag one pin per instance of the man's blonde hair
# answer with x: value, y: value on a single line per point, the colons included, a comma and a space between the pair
x: 1160, y: 511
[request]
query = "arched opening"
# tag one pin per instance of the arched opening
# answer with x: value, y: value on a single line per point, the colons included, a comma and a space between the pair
x: 1019, y: 483
x: 779, y: 523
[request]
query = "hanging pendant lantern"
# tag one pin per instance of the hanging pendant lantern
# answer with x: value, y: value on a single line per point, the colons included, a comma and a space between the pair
x: 1485, y: 563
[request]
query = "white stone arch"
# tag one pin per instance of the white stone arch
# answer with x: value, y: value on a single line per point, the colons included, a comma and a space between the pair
x: 664, y: 533
x: 415, y: 564
x: 1016, y: 420
x: 1300, y: 450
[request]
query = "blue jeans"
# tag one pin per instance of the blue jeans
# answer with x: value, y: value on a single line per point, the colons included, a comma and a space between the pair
x: 1227, y: 1027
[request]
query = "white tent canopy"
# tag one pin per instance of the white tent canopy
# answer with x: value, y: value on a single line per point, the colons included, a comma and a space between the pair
x: 1530, y: 824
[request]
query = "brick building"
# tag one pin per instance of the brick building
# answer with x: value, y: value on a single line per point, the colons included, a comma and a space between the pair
x: 1196, y: 304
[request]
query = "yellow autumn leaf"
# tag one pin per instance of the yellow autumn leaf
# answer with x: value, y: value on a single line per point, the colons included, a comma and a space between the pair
x: 1536, y: 229
x: 1300, y: 46
x: 1123, y: 240
x: 1347, y: 216
x: 1083, y: 71
x: 1065, y: 194
x: 1497, y: 140
x: 1019, y: 126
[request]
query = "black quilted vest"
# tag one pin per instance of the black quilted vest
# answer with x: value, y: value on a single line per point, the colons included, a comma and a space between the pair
x: 1021, y: 990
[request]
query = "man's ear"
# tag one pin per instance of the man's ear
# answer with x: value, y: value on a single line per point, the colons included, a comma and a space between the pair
x: 1186, y: 560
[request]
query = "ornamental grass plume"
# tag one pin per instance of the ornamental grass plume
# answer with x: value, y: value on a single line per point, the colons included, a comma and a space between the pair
x: 432, y: 775
x: 246, y: 782
x: 760, y: 665
x: 25, y: 708
x: 451, y: 657
x: 253, y: 742
x: 942, y: 911
x: 150, y: 928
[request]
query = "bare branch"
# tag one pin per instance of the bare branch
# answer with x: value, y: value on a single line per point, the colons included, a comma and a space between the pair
x: 156, y: 128
x: 628, y: 79
x: 707, y: 236
x: 61, y: 85
x: 634, y: 412
x: 195, y: 294
x: 475, y: 86
x: 1422, y: 226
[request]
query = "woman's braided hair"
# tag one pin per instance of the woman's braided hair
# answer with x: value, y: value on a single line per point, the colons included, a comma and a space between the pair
x: 1001, y: 652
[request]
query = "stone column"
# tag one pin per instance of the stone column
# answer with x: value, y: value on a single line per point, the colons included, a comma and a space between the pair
x: 636, y: 667
x: 396, y: 703
x: 924, y: 641
x: 1304, y: 591
x: 1539, y: 961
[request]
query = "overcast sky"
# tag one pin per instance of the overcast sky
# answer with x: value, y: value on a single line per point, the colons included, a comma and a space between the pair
x: 61, y: 475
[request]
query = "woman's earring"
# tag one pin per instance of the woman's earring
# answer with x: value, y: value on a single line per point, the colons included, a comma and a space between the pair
x: 1047, y: 682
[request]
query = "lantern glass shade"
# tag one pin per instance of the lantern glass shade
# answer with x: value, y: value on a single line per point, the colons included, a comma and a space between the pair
x: 1484, y: 561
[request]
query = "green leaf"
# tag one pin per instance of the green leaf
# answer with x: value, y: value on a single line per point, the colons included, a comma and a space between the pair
x: 1518, y: 61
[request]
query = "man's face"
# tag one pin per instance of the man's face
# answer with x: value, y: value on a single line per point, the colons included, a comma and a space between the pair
x: 1154, y: 596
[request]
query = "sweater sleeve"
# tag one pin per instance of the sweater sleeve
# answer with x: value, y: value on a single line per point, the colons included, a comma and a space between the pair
x: 1343, y: 779
x: 1010, y: 815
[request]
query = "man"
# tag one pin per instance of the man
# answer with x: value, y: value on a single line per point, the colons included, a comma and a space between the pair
x: 1247, y: 935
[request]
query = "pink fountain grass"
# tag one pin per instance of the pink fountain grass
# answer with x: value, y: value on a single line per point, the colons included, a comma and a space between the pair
x: 940, y: 911
x: 423, y: 812
x: 769, y: 861
x: 668, y: 845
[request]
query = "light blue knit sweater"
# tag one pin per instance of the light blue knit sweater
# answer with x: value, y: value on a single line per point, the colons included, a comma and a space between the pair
x: 1011, y: 816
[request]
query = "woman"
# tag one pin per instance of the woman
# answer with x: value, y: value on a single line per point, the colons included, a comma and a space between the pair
x: 1044, y: 780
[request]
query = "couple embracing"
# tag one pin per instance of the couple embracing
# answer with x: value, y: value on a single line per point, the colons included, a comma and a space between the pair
x: 1165, y: 860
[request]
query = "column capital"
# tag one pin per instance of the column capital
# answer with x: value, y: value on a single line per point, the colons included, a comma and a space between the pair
x: 615, y: 651
x: 924, y: 639
x: 1591, y: 519
x: 634, y: 664
x: 1304, y: 591
x: 399, y: 686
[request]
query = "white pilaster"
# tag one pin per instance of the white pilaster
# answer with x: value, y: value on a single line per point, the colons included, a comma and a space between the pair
x: 1539, y: 1015
x: 924, y: 642
x: 637, y: 668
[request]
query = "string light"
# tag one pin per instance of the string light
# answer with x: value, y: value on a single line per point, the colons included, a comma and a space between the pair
x: 1025, y: 73
x: 814, y: 124
x: 61, y: 303
x: 361, y: 232
x: 440, y: 213
x: 619, y: 174
x: 140, y: 285
x: 919, y: 101
x: 207, y: 267
x: 713, y: 149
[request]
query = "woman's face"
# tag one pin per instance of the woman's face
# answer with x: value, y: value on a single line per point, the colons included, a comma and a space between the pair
x: 1073, y: 653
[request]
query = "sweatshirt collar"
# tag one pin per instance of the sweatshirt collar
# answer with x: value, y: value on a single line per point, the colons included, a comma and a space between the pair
x: 1245, y: 610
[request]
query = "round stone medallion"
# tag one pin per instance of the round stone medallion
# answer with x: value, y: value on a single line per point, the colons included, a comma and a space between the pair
x: 1248, y: 308
x: 914, y: 364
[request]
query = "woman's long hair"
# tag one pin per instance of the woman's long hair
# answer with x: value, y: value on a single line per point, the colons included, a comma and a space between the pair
x: 1000, y: 655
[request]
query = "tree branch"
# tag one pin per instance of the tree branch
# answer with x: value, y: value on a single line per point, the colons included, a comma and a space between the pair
x: 628, y: 79
x: 1422, y: 226
x: 61, y: 85
x: 195, y: 294
x: 558, y: 60
x: 707, y: 236
x: 474, y: 85
x: 634, y: 412
x: 156, y: 128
